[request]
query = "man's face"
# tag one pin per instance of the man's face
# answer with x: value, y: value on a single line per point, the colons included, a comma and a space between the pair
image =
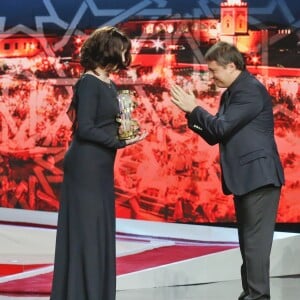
x: 222, y: 76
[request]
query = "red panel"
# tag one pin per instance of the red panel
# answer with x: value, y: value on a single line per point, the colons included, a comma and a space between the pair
x: 173, y: 175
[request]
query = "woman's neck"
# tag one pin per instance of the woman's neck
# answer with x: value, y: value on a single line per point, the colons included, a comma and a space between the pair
x: 101, y: 74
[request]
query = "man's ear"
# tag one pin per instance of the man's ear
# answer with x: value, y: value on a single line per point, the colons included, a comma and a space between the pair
x: 231, y: 66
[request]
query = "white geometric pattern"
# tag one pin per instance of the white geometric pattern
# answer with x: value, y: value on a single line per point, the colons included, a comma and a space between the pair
x: 143, y: 8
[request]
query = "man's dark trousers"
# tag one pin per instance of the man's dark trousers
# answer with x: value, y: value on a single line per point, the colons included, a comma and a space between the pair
x: 256, y: 216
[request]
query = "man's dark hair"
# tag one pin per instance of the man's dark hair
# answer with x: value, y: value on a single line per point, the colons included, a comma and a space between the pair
x: 224, y: 53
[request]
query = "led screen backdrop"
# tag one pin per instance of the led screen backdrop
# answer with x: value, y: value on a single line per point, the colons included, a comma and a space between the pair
x: 173, y: 175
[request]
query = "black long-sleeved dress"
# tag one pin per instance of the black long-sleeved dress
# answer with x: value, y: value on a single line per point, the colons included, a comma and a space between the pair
x: 84, y: 267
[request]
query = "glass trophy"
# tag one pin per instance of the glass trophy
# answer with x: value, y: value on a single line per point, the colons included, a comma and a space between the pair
x: 129, y: 128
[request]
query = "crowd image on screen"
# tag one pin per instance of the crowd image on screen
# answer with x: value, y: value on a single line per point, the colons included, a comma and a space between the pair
x: 171, y: 176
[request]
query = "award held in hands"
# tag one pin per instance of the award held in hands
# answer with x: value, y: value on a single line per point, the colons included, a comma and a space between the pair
x: 129, y: 128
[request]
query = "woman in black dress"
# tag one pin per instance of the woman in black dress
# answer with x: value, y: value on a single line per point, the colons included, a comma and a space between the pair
x: 85, y: 262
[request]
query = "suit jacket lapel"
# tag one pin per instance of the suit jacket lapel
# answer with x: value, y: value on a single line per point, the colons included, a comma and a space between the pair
x: 224, y: 102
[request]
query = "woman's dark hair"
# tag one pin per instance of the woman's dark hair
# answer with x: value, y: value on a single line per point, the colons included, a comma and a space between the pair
x: 103, y: 48
x: 224, y: 53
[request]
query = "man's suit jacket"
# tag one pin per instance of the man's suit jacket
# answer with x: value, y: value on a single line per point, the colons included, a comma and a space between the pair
x: 244, y: 130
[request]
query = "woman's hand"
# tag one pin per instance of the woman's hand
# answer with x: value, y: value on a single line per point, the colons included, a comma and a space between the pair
x: 185, y: 101
x: 136, y: 139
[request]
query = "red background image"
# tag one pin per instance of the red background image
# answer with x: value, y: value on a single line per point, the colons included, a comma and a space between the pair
x: 173, y: 175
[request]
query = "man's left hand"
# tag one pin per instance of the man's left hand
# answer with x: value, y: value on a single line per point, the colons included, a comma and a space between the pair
x: 185, y: 101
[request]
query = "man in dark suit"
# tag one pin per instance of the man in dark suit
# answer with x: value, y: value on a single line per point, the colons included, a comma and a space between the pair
x: 250, y: 164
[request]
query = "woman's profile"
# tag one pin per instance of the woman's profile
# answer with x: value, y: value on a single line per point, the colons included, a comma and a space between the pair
x: 85, y: 262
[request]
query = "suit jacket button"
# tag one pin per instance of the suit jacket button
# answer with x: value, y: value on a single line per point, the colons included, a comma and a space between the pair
x: 197, y: 127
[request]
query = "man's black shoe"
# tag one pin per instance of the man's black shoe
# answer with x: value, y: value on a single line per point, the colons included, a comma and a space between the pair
x: 242, y: 295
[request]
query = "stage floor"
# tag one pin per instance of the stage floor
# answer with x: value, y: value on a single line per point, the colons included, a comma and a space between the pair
x: 281, y: 289
x: 180, y: 269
